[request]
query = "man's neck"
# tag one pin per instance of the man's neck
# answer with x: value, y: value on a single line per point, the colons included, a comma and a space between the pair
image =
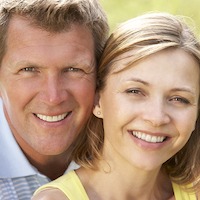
x: 52, y: 169
x: 50, y: 166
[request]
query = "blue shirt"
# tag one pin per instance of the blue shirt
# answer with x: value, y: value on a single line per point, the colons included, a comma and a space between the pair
x: 18, y: 178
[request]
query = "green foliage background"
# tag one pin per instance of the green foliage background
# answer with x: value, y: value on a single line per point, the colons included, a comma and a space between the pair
x: 121, y: 10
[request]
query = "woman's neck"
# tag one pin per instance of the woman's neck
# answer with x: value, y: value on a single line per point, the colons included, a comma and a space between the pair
x: 114, y: 182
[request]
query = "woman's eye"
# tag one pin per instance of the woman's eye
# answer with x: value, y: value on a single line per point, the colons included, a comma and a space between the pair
x: 180, y: 100
x: 134, y: 91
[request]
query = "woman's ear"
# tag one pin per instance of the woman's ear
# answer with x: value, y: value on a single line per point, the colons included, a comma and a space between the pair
x: 97, y: 106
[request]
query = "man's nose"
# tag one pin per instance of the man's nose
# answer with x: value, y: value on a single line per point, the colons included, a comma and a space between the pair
x: 54, y: 91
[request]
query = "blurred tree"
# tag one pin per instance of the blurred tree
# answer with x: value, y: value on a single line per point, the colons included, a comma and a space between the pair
x: 121, y: 10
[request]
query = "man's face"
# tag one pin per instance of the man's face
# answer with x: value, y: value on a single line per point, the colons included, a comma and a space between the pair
x: 47, y: 84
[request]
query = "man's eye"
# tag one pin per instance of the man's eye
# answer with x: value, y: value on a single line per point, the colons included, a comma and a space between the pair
x: 28, y: 69
x: 72, y: 69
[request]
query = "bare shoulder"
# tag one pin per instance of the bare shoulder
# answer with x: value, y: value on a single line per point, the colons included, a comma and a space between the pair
x: 50, y: 194
x: 172, y: 198
x: 198, y: 195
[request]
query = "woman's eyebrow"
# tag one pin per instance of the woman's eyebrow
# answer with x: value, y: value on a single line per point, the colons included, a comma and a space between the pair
x: 184, y: 89
x: 139, y: 80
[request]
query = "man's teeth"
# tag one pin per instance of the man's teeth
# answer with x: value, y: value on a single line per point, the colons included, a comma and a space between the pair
x: 148, y: 138
x: 51, y: 118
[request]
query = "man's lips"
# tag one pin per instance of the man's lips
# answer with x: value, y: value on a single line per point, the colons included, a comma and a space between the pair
x: 55, y: 118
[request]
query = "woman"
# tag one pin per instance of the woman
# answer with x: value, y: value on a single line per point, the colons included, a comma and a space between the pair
x: 142, y: 140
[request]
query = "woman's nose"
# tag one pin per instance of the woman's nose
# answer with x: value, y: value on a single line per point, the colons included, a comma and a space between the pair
x: 155, y: 113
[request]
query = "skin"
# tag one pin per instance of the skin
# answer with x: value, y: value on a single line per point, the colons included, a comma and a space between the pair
x: 158, y: 96
x: 157, y: 99
x: 47, y: 84
x: 50, y: 193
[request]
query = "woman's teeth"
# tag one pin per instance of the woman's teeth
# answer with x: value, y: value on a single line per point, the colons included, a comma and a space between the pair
x: 148, y: 138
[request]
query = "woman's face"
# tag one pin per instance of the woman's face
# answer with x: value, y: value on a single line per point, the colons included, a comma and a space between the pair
x: 149, y: 110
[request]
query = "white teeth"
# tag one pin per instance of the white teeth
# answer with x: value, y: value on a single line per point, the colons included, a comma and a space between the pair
x: 51, y: 118
x: 148, y: 138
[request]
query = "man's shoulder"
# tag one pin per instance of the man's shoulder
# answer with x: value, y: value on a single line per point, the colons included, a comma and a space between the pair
x: 20, y: 187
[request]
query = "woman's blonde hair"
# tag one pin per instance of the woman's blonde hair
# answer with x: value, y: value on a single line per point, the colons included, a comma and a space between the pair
x: 144, y: 36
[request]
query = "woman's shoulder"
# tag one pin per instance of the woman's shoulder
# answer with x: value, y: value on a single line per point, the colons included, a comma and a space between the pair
x: 68, y: 185
x: 54, y: 189
x: 50, y: 194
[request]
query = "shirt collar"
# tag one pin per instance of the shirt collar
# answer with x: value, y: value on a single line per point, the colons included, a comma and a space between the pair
x: 13, y: 163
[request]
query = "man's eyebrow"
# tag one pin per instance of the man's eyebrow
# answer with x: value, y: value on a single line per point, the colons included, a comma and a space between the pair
x: 27, y: 63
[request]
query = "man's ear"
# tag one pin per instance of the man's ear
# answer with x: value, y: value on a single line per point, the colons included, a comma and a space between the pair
x: 97, y: 111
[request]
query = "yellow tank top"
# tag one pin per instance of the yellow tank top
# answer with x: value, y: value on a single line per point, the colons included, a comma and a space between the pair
x: 182, y: 195
x: 72, y: 187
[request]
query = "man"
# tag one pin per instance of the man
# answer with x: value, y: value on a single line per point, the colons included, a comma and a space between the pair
x: 49, y: 52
